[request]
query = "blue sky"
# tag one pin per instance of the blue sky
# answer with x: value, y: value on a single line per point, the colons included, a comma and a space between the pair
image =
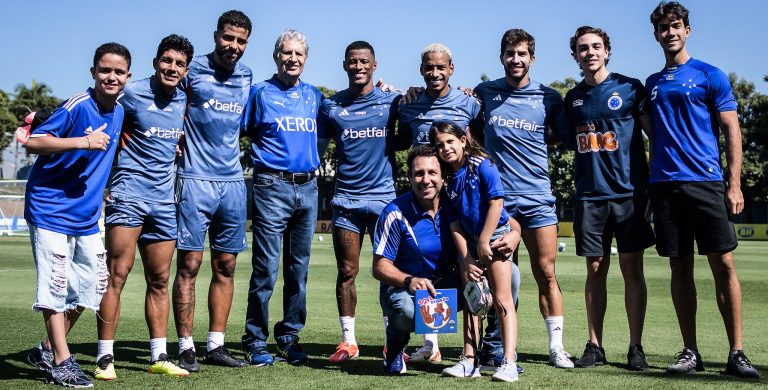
x: 53, y: 41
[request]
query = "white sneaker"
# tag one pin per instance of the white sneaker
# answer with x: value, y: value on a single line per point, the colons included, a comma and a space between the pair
x: 560, y: 359
x: 506, y: 373
x: 426, y: 354
x: 465, y: 368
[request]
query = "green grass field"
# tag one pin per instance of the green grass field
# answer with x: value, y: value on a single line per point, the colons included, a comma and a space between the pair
x: 23, y: 328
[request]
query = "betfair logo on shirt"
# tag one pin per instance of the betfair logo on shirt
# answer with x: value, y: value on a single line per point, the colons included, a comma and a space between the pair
x: 290, y: 123
x: 370, y: 132
x: 520, y: 124
x: 221, y: 106
x: 163, y: 133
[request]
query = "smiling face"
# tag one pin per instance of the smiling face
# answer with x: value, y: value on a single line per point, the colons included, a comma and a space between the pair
x: 436, y: 68
x: 290, y: 59
x: 517, y: 61
x: 591, y: 53
x: 671, y: 33
x: 170, y: 68
x: 451, y: 149
x: 230, y: 45
x: 426, y: 178
x: 110, y: 75
x: 360, y: 65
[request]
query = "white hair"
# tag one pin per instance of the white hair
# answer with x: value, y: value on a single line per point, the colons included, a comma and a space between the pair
x: 290, y: 35
x: 436, y: 48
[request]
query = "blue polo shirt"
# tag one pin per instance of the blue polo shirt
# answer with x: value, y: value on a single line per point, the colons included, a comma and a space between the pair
x: 685, y: 101
x: 516, y: 123
x: 470, y: 189
x: 151, y: 130
x: 65, y: 190
x: 417, y: 116
x: 216, y: 97
x: 363, y: 128
x: 416, y: 243
x: 281, y: 122
x: 610, y: 160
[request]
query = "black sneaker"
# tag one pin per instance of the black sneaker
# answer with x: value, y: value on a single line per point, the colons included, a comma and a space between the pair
x: 188, y: 361
x: 739, y: 365
x: 41, y: 357
x: 68, y: 374
x: 221, y: 356
x: 688, y: 362
x: 636, y: 358
x: 593, y: 356
x: 292, y: 352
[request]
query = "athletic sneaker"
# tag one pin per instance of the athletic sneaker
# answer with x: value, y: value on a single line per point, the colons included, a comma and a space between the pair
x: 636, y: 358
x: 465, y: 368
x: 384, y: 354
x: 344, y: 351
x: 258, y: 356
x: 40, y: 357
x: 188, y: 360
x: 688, y: 362
x: 560, y: 359
x: 739, y: 365
x: 165, y: 366
x: 593, y: 356
x: 105, y: 369
x: 394, y: 364
x: 68, y: 374
x: 221, y: 356
x: 490, y: 361
x: 292, y: 352
x: 426, y: 354
x: 506, y: 373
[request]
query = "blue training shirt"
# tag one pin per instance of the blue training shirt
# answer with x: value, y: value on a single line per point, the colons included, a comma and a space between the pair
x: 470, y: 189
x: 363, y: 129
x: 417, y: 116
x: 151, y: 130
x: 684, y: 104
x: 416, y: 243
x: 610, y: 160
x: 216, y: 98
x: 282, y: 125
x: 516, y: 122
x: 65, y: 190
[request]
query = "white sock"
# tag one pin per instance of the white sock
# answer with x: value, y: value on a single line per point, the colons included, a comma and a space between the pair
x: 386, y: 323
x: 215, y: 340
x: 157, y: 347
x: 105, y: 347
x: 431, y: 338
x: 348, y: 329
x: 555, y: 332
x: 186, y: 343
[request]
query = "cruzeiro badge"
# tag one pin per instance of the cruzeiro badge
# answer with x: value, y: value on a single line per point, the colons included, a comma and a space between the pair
x: 615, y: 102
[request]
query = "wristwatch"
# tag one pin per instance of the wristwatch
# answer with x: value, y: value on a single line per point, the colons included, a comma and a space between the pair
x: 407, y: 282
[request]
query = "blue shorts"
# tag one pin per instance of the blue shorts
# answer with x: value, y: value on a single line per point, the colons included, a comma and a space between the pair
x: 531, y: 211
x: 71, y: 270
x: 217, y: 207
x: 157, y: 220
x: 357, y: 215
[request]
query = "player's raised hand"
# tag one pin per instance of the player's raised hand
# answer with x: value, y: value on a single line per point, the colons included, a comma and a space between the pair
x: 411, y: 95
x: 97, y: 139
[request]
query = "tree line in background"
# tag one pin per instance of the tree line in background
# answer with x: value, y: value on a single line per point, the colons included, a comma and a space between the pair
x: 752, y: 112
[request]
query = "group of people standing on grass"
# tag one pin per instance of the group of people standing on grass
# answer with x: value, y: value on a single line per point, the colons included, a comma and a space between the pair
x: 469, y: 206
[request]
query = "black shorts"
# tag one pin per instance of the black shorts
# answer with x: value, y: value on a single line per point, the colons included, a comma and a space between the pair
x: 597, y: 221
x: 684, y: 211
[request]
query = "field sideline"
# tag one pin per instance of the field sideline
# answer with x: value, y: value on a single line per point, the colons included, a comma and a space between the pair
x: 23, y: 329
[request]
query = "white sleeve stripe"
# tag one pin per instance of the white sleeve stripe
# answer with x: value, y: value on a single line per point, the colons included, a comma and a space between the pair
x: 75, y: 101
x: 386, y: 229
